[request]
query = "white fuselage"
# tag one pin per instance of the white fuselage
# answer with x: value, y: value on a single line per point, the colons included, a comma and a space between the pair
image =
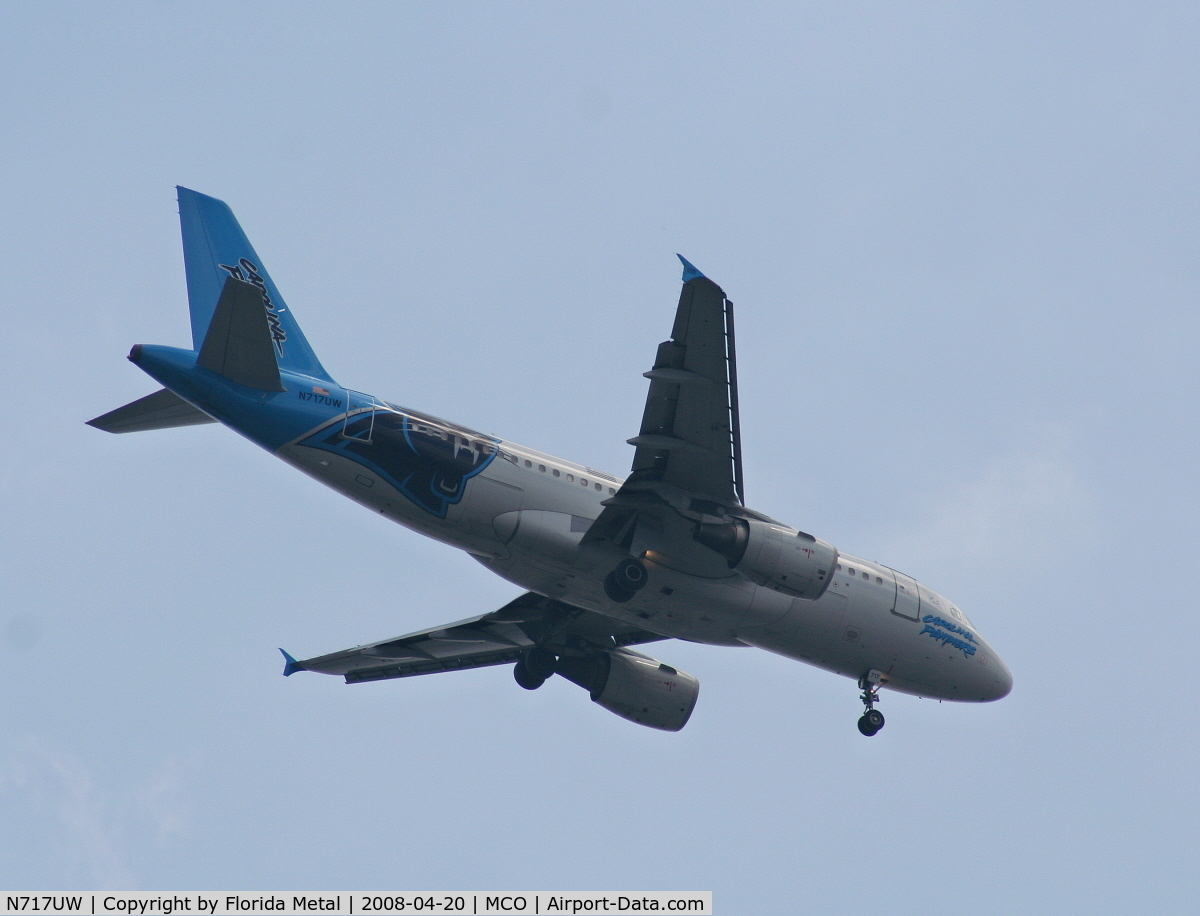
x: 524, y: 517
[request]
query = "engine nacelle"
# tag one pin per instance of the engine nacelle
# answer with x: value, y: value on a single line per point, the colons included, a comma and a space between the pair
x: 635, y: 687
x: 788, y: 561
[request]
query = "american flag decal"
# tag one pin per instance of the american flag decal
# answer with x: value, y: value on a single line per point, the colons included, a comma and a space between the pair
x: 317, y: 389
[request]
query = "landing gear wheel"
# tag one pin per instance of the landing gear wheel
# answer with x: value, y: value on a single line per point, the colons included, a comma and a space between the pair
x: 525, y: 678
x: 631, y: 573
x: 872, y: 719
x: 612, y: 588
x: 539, y: 662
x: 624, y: 582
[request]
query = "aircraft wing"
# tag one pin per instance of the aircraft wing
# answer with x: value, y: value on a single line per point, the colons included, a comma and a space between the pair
x: 689, y: 437
x: 490, y: 639
x: 689, y: 450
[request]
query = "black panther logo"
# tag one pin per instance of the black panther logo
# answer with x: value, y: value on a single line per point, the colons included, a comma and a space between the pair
x: 428, y: 461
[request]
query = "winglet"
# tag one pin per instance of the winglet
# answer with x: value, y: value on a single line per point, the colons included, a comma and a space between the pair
x: 291, y: 666
x: 689, y: 270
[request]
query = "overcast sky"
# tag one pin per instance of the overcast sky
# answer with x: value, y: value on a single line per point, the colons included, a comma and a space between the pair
x: 967, y: 231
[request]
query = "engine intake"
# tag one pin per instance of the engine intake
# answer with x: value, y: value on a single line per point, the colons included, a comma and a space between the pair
x: 788, y: 561
x: 635, y: 687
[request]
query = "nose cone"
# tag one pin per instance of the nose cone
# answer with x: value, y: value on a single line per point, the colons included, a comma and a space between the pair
x: 997, y: 682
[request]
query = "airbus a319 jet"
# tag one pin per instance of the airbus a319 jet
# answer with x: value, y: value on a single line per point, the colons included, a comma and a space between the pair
x: 669, y: 552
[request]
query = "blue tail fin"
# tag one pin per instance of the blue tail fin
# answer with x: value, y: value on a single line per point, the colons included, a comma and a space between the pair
x: 215, y: 249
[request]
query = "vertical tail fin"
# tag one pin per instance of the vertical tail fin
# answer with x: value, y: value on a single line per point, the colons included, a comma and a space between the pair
x: 215, y: 249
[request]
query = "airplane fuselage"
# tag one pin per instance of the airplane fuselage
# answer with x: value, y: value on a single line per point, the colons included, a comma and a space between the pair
x: 523, y: 514
x: 606, y: 563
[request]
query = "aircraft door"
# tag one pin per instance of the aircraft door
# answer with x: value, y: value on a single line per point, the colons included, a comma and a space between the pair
x: 908, y: 597
x: 359, y: 422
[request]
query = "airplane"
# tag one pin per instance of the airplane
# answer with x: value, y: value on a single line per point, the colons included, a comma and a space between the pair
x: 669, y: 552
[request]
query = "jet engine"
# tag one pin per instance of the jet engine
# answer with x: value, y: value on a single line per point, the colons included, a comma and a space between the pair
x: 788, y: 561
x: 635, y: 687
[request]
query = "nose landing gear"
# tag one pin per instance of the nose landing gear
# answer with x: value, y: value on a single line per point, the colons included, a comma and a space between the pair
x: 871, y: 720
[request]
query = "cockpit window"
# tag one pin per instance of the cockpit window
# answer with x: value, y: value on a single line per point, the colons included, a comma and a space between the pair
x: 959, y: 614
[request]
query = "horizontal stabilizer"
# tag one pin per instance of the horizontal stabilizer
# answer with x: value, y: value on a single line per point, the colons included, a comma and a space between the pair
x: 160, y: 410
x: 238, y: 343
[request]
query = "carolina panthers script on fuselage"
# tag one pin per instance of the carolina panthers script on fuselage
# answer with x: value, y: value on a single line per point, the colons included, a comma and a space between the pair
x: 670, y: 552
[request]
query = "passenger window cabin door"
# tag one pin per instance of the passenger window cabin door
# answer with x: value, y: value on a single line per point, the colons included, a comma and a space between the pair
x: 908, y: 597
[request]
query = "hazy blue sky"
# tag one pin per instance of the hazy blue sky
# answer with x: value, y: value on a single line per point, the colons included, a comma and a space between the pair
x: 962, y: 239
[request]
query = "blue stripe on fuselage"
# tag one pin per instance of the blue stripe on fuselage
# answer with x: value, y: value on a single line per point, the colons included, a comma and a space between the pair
x: 430, y: 461
x: 269, y: 418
